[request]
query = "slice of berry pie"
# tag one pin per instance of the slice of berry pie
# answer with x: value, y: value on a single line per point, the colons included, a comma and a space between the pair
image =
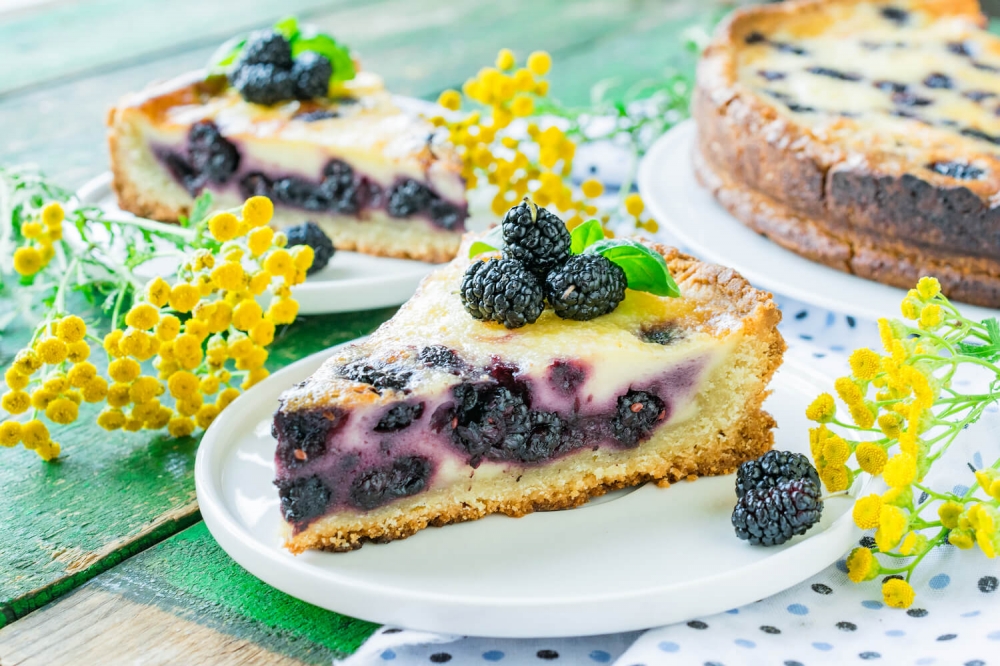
x: 863, y: 135
x: 280, y: 122
x: 441, y: 417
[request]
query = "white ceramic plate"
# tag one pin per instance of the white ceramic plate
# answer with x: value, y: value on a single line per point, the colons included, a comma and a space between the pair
x: 627, y: 561
x: 692, y: 215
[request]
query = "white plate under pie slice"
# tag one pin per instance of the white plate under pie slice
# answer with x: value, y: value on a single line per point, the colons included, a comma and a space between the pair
x: 634, y: 559
x: 691, y: 215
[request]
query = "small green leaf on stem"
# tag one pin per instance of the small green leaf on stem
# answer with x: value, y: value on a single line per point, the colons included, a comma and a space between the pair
x: 289, y: 27
x: 226, y: 55
x: 490, y: 242
x: 645, y: 269
x: 326, y: 46
x: 585, y: 235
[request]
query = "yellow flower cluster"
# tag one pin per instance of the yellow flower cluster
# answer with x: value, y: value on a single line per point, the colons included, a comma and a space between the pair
x: 202, y: 333
x: 41, y: 233
x: 893, y: 401
x: 537, y: 166
x: 51, y: 377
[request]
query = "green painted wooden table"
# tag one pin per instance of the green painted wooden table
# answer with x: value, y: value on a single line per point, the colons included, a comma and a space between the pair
x: 103, y: 558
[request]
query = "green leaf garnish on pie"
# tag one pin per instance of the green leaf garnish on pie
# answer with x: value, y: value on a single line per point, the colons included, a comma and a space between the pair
x: 585, y: 235
x: 645, y: 269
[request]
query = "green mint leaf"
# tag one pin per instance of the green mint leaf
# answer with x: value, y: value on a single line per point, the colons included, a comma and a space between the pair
x: 490, y: 242
x: 200, y: 209
x: 327, y: 46
x: 289, y: 27
x: 645, y: 269
x: 585, y: 235
x: 985, y: 352
x: 226, y: 55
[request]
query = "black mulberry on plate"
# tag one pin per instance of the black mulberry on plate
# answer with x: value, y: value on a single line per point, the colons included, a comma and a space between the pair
x: 585, y: 287
x: 311, y: 73
x: 264, y: 84
x: 773, y: 468
x: 309, y: 233
x: 502, y: 290
x: 535, y: 237
x: 266, y: 47
x: 772, y: 516
x: 637, y: 416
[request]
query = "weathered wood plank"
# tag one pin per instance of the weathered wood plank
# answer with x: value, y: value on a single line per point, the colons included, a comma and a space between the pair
x: 68, y: 39
x: 112, y: 495
x: 420, y: 48
x: 182, y: 601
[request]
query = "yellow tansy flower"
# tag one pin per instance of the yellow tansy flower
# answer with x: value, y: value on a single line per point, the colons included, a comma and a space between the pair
x: 15, y: 402
x: 822, y: 409
x: 52, y: 351
x: 180, y: 426
x: 53, y: 214
x: 71, y: 329
x: 224, y: 226
x: 897, y: 593
x: 900, y: 470
x: 928, y: 287
x: 183, y: 297
x: 893, y: 523
x: 142, y: 316
x: 867, y: 511
x: 27, y: 260
x: 865, y: 364
x: 258, y: 211
x: 539, y: 63
x: 871, y: 457
x: 862, y: 565
x: 10, y: 433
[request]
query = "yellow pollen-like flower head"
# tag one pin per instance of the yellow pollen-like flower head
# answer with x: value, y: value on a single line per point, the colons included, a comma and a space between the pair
x: 871, y: 457
x: 848, y: 391
x: 15, y: 402
x: 111, y: 419
x: 836, y: 478
x: 62, y: 411
x: 71, y: 329
x: 867, y: 511
x: 865, y: 364
x: 10, y: 433
x: 27, y: 260
x: 34, y: 434
x: 989, y: 480
x: 862, y: 565
x: 259, y: 240
x: 183, y: 385
x: 142, y: 316
x: 183, y: 297
x: 539, y: 63
x: 180, y: 426
x: 928, y: 288
x: 893, y: 523
x: 451, y: 100
x: 53, y: 214
x: 891, y: 424
x: 862, y: 415
x: 930, y: 316
x: 258, y: 211
x: 822, y: 409
x: 52, y: 351
x: 224, y: 226
x: 283, y: 310
x: 900, y: 470
x: 168, y: 328
x: 897, y: 593
x: 912, y: 543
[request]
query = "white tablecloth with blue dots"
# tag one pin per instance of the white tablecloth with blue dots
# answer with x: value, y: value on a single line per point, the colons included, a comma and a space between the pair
x: 825, y: 620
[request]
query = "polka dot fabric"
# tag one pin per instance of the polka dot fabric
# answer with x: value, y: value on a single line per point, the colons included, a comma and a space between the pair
x: 824, y: 620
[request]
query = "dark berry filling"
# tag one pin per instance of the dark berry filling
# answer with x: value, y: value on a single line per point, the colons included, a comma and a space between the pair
x: 986, y: 68
x: 770, y: 75
x: 754, y: 38
x: 785, y: 47
x: 379, y: 374
x: 938, y: 80
x: 890, y: 86
x: 910, y: 99
x: 895, y: 14
x: 209, y: 158
x: 303, y: 435
x: 439, y: 356
x: 637, y: 416
x: 979, y: 134
x: 410, y: 198
x: 567, y: 376
x: 978, y: 95
x: 313, y: 116
x: 664, y: 334
x: 400, y: 416
x: 303, y: 499
x: 959, y: 170
x: 959, y: 48
x: 404, y: 477
x: 834, y: 73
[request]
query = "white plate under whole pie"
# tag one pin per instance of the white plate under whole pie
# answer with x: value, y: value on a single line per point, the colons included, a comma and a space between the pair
x: 691, y: 215
x: 630, y: 560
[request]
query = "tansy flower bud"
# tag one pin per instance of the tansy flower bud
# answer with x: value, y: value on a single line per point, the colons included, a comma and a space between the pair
x: 15, y: 379
x: 183, y: 297
x: 52, y: 351
x: 259, y: 240
x: 897, y: 593
x: 451, y: 100
x: 539, y: 63
x: 862, y: 565
x: 53, y: 214
x: 10, y: 433
x: 111, y: 419
x: 822, y: 409
x: 15, y: 402
x: 27, y: 260
x: 71, y: 329
x: 158, y: 292
x: 224, y: 226
x: 928, y: 287
x: 180, y: 426
x: 893, y: 523
x: 142, y: 316
x: 867, y: 511
x: 900, y: 470
x: 871, y: 457
x: 257, y: 211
